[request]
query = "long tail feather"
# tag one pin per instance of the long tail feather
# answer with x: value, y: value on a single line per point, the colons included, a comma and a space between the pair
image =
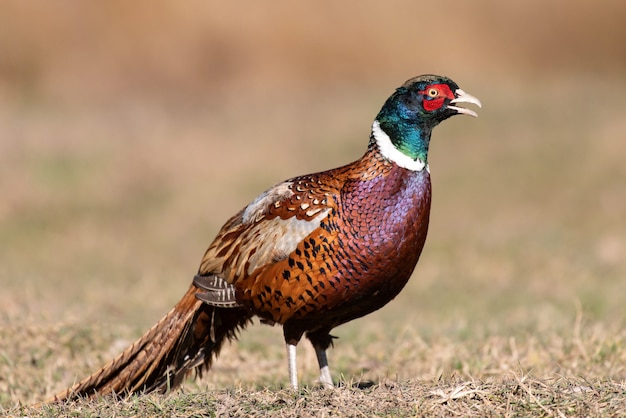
x: 189, y: 337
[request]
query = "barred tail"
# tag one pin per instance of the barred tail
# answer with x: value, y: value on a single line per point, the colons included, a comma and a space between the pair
x: 189, y: 337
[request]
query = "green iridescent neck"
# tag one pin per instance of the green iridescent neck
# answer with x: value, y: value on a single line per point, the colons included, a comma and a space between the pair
x: 409, y: 137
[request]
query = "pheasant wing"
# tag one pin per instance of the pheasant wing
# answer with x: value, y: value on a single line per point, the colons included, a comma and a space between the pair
x: 265, y: 232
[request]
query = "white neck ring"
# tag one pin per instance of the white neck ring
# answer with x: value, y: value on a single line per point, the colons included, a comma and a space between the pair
x: 393, y: 154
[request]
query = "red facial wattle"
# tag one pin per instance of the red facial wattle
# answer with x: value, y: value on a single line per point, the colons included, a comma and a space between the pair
x: 433, y: 103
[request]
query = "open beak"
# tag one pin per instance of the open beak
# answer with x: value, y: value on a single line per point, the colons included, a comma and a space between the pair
x: 462, y: 97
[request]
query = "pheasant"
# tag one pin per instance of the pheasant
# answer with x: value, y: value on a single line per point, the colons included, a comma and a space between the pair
x: 310, y: 253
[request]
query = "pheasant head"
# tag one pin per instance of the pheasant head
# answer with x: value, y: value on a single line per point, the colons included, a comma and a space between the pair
x: 403, y: 126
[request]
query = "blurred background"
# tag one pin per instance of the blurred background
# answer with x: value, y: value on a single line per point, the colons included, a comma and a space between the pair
x: 131, y: 131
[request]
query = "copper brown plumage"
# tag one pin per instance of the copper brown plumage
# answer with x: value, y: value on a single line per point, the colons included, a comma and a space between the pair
x: 310, y: 253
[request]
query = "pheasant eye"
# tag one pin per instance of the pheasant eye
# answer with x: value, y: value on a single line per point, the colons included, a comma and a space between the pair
x: 432, y: 93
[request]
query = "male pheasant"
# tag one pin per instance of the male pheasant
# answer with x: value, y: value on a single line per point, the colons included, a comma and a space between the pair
x: 310, y: 253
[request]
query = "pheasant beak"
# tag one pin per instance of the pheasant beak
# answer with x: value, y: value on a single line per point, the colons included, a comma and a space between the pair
x: 462, y: 97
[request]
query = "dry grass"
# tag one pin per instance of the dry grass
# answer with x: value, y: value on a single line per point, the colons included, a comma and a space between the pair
x: 514, y: 396
x: 576, y: 372
x: 110, y: 196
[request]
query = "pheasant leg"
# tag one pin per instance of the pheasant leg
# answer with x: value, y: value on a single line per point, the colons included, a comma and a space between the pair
x: 322, y: 360
x: 293, y: 372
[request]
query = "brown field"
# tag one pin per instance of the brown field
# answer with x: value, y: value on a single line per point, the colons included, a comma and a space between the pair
x: 130, y: 132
